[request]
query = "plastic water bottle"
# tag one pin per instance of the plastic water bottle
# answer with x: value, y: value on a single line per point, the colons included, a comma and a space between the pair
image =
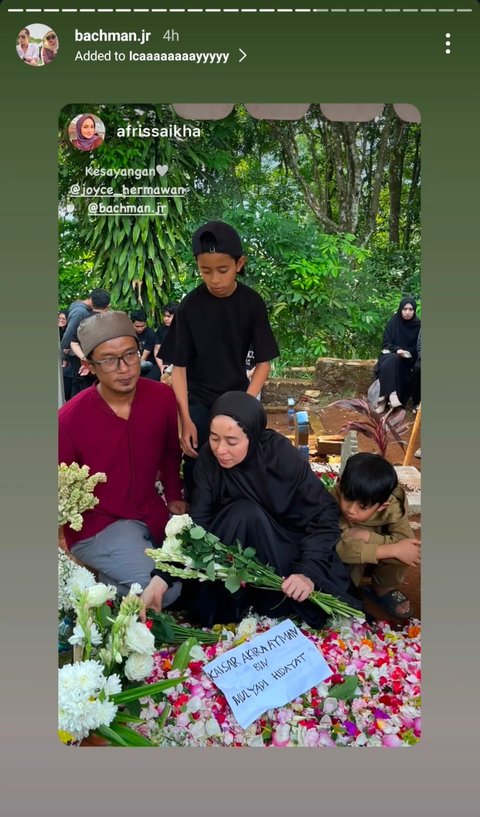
x: 291, y: 413
x: 65, y: 630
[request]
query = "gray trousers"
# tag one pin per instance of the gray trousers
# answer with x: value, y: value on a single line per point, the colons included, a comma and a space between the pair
x: 117, y: 555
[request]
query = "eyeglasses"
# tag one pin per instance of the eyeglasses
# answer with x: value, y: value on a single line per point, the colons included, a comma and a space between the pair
x: 111, y: 364
x: 51, y: 36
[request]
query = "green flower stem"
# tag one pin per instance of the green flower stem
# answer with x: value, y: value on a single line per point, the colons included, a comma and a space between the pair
x: 234, y: 566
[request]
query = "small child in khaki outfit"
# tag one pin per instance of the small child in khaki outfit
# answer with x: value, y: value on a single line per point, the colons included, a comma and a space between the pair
x: 375, y: 529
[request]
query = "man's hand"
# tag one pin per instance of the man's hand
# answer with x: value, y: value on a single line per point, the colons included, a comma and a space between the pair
x: 297, y: 587
x: 408, y: 552
x: 177, y: 506
x: 152, y: 596
x: 189, y: 438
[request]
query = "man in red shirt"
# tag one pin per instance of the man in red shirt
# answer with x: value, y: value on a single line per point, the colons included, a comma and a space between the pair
x: 125, y: 426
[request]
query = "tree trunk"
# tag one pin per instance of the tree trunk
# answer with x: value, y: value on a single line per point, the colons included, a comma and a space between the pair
x: 395, y: 179
x: 410, y: 216
x: 378, y: 175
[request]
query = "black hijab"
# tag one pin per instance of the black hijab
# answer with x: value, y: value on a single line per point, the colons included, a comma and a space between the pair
x: 401, y: 333
x: 273, y: 474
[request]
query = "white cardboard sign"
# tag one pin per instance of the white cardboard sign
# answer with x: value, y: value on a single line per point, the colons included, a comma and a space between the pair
x: 272, y: 669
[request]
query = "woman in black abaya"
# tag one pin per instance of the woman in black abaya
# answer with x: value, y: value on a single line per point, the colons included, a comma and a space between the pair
x: 397, y: 358
x: 253, y: 486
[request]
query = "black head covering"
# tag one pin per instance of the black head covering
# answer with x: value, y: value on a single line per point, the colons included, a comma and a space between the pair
x: 401, y: 333
x: 273, y: 470
x: 247, y: 412
x: 277, y: 478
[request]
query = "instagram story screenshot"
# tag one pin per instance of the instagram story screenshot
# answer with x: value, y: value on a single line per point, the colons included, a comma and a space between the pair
x: 258, y: 478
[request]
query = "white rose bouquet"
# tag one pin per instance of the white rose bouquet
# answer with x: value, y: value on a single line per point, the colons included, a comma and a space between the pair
x: 189, y: 551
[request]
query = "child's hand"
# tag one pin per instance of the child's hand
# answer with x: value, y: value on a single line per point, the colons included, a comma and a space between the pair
x: 189, y: 439
x: 408, y: 552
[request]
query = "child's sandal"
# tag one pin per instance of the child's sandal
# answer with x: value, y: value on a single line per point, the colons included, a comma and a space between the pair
x: 390, y: 601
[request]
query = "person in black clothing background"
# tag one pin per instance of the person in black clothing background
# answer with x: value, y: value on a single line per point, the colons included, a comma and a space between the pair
x: 397, y: 358
x: 97, y: 301
x: 252, y: 485
x: 169, y: 312
x: 146, y: 343
x: 208, y: 341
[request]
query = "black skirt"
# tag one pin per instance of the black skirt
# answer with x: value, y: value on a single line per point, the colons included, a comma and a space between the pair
x: 246, y: 522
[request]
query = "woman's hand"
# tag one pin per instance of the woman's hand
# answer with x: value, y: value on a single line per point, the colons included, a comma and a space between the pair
x: 298, y: 587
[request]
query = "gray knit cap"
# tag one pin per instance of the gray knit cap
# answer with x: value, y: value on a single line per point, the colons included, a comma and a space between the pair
x: 104, y: 326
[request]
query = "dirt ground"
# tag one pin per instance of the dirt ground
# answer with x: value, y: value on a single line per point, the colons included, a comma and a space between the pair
x: 329, y: 420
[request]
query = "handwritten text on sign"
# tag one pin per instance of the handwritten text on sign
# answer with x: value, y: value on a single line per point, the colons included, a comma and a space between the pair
x: 268, y: 671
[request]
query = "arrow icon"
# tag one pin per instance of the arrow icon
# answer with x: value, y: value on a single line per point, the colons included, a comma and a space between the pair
x: 243, y: 53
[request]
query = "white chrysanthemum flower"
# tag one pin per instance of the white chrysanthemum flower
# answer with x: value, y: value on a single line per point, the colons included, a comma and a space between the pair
x: 95, y: 635
x: 81, y: 579
x: 80, y: 711
x: 178, y: 523
x: 99, y: 593
x: 112, y: 685
x: 138, y: 638
x: 136, y: 589
x: 78, y: 636
x: 138, y: 666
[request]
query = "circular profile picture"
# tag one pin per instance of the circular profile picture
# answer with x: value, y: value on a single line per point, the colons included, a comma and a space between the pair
x: 37, y: 44
x: 86, y: 131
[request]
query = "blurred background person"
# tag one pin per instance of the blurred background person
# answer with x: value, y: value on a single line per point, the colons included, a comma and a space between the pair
x: 65, y: 364
x: 146, y: 343
x: 62, y: 322
x: 97, y: 301
x: 169, y: 312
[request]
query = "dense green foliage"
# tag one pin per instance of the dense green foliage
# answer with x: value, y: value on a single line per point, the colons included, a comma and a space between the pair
x: 328, y: 213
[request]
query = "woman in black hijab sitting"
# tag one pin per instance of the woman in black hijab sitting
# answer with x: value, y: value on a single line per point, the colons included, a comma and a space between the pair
x: 253, y: 486
x: 397, y: 358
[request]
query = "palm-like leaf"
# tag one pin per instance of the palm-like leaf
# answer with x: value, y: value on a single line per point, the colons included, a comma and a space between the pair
x: 381, y: 428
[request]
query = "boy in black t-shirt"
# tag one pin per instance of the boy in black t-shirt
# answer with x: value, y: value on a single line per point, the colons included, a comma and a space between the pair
x: 213, y: 330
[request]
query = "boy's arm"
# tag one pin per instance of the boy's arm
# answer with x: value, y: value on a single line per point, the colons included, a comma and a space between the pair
x: 356, y: 551
x: 398, y: 530
x: 352, y: 550
x: 189, y: 436
x: 259, y: 377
